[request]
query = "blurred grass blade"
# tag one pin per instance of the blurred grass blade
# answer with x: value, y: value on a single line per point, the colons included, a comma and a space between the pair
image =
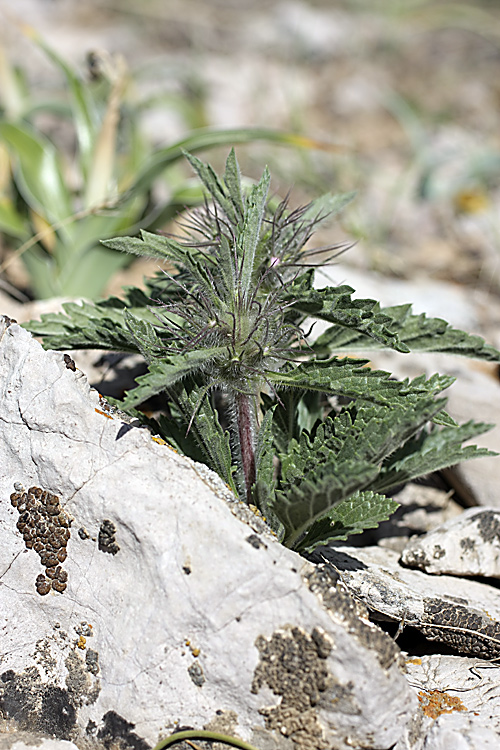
x: 10, y: 221
x: 209, y: 138
x: 39, y: 175
x: 100, y: 178
x: 11, y: 93
x: 83, y: 109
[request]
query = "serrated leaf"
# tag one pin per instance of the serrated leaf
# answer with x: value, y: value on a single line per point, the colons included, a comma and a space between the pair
x: 214, y: 186
x: 300, y: 506
x: 360, y: 432
x: 355, y: 514
x: 213, y: 441
x: 144, y: 334
x: 433, y: 450
x: 232, y: 180
x: 248, y: 236
x: 351, y: 378
x: 88, y: 325
x: 163, y: 374
x: 335, y: 305
x: 417, y: 332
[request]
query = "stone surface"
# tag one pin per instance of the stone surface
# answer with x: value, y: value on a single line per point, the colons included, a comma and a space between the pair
x: 467, y: 545
x: 178, y: 606
x: 459, y: 704
x: 27, y: 741
x: 461, y: 613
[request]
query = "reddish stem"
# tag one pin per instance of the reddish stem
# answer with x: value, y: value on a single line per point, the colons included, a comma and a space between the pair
x: 245, y: 415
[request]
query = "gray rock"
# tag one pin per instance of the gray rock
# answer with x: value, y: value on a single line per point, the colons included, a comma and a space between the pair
x: 460, y: 613
x: 27, y: 741
x: 459, y: 704
x: 137, y: 595
x: 467, y: 545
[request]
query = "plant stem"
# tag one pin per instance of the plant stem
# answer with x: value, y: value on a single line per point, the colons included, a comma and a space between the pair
x: 203, y: 735
x: 245, y: 423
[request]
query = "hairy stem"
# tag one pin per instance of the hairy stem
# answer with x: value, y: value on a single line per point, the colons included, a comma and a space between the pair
x: 246, y: 429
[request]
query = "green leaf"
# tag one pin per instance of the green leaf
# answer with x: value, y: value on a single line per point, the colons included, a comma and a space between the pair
x: 144, y: 334
x: 213, y: 441
x: 83, y: 108
x: 263, y: 492
x: 11, y: 221
x: 165, y: 373
x: 360, y: 432
x: 351, y: 378
x: 87, y: 325
x: 214, y: 186
x: 417, y: 332
x: 300, y: 506
x: 158, y: 246
x: 232, y: 181
x: 432, y: 450
x: 355, y: 514
x: 335, y: 305
x: 38, y: 172
x: 248, y: 237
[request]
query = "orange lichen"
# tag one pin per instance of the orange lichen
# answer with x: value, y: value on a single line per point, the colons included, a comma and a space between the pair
x: 415, y: 660
x: 435, y: 703
x: 194, y: 651
x: 81, y: 642
x: 98, y: 411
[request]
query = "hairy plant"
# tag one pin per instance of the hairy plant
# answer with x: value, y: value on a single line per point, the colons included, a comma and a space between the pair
x: 310, y: 438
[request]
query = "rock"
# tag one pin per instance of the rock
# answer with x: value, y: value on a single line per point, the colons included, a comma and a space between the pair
x: 27, y: 741
x: 168, y: 601
x: 459, y: 704
x: 460, y: 613
x: 468, y: 545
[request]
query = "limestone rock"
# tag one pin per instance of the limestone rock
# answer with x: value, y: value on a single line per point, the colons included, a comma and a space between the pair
x: 27, y: 741
x: 467, y: 545
x: 460, y: 613
x: 459, y: 704
x: 137, y: 595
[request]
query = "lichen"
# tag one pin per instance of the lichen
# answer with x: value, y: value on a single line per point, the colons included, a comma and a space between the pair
x: 107, y: 539
x: 293, y: 665
x: 488, y: 525
x: 36, y: 706
x: 45, y: 528
x: 466, y: 630
x: 117, y: 731
x: 195, y: 671
x: 435, y: 703
x: 353, y: 615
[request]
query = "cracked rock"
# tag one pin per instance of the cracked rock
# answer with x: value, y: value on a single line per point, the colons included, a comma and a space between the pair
x: 185, y: 583
x: 459, y: 704
x: 459, y: 613
x: 465, y: 546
